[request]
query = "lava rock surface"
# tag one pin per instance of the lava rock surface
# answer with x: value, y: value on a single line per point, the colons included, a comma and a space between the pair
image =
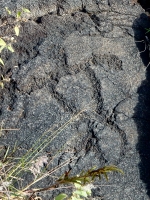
x: 88, y: 56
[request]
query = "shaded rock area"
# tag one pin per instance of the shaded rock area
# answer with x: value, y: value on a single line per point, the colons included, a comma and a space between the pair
x: 81, y: 55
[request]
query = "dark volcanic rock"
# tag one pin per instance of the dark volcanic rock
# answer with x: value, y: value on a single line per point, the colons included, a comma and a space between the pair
x: 83, y: 55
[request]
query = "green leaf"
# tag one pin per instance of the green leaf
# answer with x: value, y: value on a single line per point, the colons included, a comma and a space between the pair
x: 81, y: 193
x: 26, y: 10
x: 2, y: 42
x: 61, y: 196
x: 105, y: 174
x: 9, y: 12
x: 113, y: 168
x: 15, y: 194
x: 16, y: 30
x: 1, y: 48
x: 75, y: 198
x: 2, y: 85
x: 77, y: 185
x: 18, y: 14
x: 10, y: 48
x: 89, y: 192
x: 1, y: 61
x: 148, y: 30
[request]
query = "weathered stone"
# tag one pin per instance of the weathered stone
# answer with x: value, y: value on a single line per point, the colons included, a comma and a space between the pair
x: 85, y: 59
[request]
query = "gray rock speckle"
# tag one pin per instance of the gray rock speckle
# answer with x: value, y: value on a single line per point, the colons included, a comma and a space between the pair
x: 80, y: 75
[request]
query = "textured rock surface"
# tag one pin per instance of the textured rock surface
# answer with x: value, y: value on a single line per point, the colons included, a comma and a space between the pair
x: 84, y: 54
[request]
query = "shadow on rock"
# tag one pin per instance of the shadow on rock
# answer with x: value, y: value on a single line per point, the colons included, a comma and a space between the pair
x: 142, y: 110
x: 145, y: 4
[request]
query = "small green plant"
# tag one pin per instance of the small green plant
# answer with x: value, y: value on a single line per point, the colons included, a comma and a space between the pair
x: 79, y: 193
x: 148, y: 30
x: 16, y: 29
x: 3, y: 44
x: 80, y: 181
x: 18, y: 18
x: 12, y: 171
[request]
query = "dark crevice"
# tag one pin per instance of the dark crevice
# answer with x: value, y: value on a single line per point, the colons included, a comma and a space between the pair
x: 84, y: 9
x: 38, y: 20
x: 95, y: 19
x: 13, y: 97
x: 142, y: 109
x: 65, y: 59
x: 96, y: 86
x: 111, y: 122
x: 145, y: 5
x: 93, y: 143
x: 59, y: 8
x: 59, y: 97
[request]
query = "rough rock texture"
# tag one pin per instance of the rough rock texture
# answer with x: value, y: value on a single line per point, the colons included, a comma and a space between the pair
x: 82, y: 55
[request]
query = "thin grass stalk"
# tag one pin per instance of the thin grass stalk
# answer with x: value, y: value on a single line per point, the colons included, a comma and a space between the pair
x: 46, y: 174
x: 56, y: 133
